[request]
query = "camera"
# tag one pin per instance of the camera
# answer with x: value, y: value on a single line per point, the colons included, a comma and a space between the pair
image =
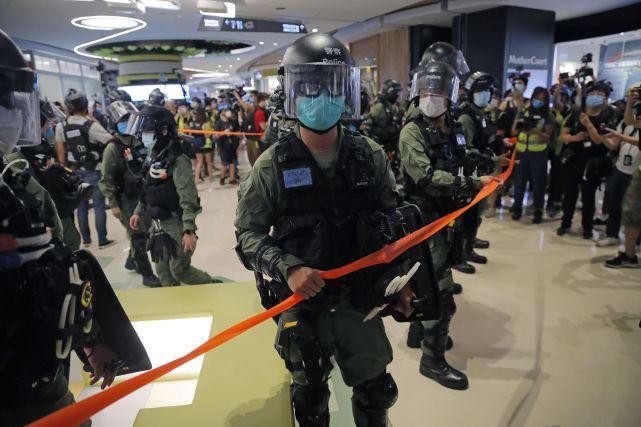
x: 585, y: 72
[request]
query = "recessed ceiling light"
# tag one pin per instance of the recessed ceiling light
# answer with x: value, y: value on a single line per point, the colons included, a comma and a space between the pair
x: 161, y: 4
x: 280, y: 8
x: 314, y: 30
x: 220, y: 65
x: 210, y: 74
x: 237, y: 59
x: 275, y: 44
x: 261, y: 43
x: 103, y: 22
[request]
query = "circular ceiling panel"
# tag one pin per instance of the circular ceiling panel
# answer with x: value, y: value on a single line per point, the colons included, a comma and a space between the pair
x: 182, y: 48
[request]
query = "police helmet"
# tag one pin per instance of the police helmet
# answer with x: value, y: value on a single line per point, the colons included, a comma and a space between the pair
x: 50, y: 112
x: 391, y: 89
x: 19, y: 104
x: 445, y: 52
x: 156, y: 97
x: 119, y: 112
x: 321, y: 82
x: 119, y: 95
x: 152, y: 119
x: 76, y: 101
x: 435, y: 78
x: 480, y: 81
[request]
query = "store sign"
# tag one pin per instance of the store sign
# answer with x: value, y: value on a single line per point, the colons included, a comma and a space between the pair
x: 208, y: 23
x: 528, y: 61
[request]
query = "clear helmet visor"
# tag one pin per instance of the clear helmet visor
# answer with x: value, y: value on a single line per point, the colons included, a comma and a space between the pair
x: 120, y: 109
x: 52, y: 113
x: 19, y: 120
x: 429, y: 83
x: 137, y: 124
x: 320, y: 92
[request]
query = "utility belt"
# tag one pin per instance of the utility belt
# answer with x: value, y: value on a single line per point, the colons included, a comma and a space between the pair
x: 161, y: 213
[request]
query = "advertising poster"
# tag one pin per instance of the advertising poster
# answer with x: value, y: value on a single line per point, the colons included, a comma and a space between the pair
x: 621, y: 64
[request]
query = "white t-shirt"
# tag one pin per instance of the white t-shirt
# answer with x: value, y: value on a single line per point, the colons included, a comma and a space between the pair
x: 97, y: 134
x: 629, y: 155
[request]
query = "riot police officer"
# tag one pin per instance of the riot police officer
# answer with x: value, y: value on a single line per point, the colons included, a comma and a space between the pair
x: 51, y: 301
x: 121, y: 184
x: 481, y: 136
x: 433, y: 159
x: 315, y: 187
x: 384, y: 122
x: 169, y: 198
x: 79, y: 144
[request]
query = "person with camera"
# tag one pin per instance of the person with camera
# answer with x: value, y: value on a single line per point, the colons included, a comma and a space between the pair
x: 533, y: 127
x: 584, y: 155
x: 625, y: 141
x: 562, y: 109
x: 631, y: 208
x: 79, y: 145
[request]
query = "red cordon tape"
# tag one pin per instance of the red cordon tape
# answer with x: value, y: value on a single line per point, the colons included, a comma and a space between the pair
x: 83, y: 410
x: 220, y: 132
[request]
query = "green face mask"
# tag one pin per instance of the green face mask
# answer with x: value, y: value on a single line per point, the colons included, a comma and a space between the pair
x: 320, y: 113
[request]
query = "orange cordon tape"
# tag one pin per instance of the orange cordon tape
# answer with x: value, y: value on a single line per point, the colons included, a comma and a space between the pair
x: 83, y: 410
x: 220, y: 132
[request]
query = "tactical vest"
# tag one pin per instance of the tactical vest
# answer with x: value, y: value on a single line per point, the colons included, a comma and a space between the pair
x: 81, y: 153
x: 320, y: 220
x: 485, y: 129
x: 529, y: 142
x: 160, y: 194
x: 446, y: 152
x: 129, y: 178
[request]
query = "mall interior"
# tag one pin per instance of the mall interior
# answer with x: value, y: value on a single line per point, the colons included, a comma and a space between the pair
x: 273, y: 213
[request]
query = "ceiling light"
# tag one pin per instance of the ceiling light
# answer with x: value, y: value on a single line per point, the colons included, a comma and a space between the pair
x: 237, y: 59
x: 242, y: 50
x: 106, y: 23
x: 223, y: 9
x: 275, y: 44
x: 261, y: 43
x: 219, y: 65
x: 210, y: 74
x: 314, y: 30
x: 127, y: 5
x: 119, y: 1
x: 161, y: 4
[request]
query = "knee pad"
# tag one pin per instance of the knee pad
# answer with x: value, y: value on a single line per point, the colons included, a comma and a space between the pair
x: 378, y: 393
x: 311, y: 404
x: 448, y: 306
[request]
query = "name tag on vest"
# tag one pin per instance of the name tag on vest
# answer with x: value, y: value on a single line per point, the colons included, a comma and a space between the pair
x: 299, y: 177
x: 73, y: 133
x: 460, y: 139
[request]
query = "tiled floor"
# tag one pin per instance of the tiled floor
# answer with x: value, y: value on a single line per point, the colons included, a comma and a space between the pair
x: 547, y: 335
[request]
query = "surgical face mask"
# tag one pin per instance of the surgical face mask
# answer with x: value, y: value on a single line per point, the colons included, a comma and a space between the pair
x: 432, y: 106
x: 520, y: 87
x: 494, y: 104
x: 194, y: 105
x: 537, y: 104
x: 320, y: 113
x: 97, y: 110
x: 228, y: 114
x: 594, y: 100
x: 481, y: 99
x: 122, y: 127
x: 148, y: 139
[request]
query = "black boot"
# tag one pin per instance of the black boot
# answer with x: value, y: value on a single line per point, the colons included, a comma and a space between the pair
x: 434, y: 365
x: 415, y: 335
x: 472, y: 256
x: 464, y: 267
x: 516, y: 213
x: 537, y: 218
x: 481, y: 244
x: 130, y: 264
x: 151, y: 281
x: 144, y: 269
x: 457, y: 289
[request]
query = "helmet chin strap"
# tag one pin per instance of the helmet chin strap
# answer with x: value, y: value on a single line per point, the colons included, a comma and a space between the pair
x: 319, y: 132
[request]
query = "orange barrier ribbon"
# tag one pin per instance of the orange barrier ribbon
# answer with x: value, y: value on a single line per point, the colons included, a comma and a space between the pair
x: 220, y: 132
x: 78, y: 412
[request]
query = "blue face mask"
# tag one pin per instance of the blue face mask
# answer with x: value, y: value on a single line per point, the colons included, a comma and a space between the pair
x: 481, y: 99
x: 537, y: 103
x: 320, y: 113
x: 520, y: 87
x: 594, y: 100
x: 98, y: 110
x: 122, y: 126
x: 48, y: 134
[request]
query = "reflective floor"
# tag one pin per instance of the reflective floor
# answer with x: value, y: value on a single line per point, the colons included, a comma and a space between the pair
x: 547, y: 335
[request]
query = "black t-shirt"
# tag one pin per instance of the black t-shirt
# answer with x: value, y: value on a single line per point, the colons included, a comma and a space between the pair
x: 227, y: 141
x: 606, y: 119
